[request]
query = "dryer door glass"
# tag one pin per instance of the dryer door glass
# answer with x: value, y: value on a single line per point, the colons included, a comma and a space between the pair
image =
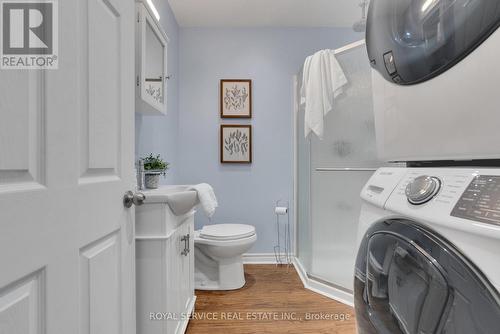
x: 410, y: 41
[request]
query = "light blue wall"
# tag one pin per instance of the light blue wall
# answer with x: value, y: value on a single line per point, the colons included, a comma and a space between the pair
x: 159, y: 134
x: 270, y: 57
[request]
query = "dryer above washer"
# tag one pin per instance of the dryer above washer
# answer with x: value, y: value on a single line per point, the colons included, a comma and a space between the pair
x: 410, y: 41
x: 452, y: 50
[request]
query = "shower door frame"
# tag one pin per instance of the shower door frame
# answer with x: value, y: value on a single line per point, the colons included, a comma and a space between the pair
x: 311, y: 282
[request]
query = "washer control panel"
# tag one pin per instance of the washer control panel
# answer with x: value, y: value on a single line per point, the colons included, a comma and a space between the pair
x: 480, y: 201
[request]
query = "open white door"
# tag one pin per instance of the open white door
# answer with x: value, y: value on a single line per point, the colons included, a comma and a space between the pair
x: 66, y: 159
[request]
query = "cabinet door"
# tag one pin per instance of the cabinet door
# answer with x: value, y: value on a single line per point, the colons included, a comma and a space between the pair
x: 184, y: 267
x: 173, y: 281
x: 191, y: 259
x: 151, y: 64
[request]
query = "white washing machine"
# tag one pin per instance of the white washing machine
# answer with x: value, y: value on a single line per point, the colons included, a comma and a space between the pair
x: 429, y: 248
x: 436, y: 73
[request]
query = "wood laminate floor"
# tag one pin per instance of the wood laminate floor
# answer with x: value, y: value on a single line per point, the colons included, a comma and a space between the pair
x: 272, y: 301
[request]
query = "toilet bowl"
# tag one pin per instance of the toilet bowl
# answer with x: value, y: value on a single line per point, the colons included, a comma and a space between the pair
x: 218, y: 255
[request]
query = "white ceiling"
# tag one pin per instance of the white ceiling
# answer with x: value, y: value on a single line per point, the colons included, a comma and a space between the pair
x: 266, y: 13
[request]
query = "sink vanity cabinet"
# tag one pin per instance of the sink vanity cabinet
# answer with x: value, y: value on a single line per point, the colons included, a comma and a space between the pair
x: 165, y: 261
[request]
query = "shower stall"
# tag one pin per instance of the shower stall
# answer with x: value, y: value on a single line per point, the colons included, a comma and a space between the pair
x: 330, y: 174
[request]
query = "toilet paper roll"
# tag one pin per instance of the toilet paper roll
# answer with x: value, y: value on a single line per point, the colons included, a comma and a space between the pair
x: 281, y: 210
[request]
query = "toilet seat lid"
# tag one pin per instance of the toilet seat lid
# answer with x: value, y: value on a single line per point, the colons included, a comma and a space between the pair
x: 227, y: 231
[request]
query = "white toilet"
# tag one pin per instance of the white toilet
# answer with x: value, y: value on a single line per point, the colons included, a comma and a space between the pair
x: 218, y: 255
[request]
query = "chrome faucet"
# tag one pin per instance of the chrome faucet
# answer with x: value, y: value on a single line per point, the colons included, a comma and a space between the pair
x: 140, y: 174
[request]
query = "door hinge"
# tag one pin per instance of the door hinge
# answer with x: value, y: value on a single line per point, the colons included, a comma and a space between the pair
x: 137, y: 81
x: 138, y: 17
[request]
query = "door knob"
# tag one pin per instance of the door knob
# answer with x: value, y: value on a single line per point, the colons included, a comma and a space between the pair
x: 131, y: 198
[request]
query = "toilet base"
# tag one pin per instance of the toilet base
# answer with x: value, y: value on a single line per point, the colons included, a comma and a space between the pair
x: 218, y: 264
x: 224, y: 274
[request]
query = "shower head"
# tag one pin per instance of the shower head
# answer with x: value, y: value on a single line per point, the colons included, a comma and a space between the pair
x: 360, y: 26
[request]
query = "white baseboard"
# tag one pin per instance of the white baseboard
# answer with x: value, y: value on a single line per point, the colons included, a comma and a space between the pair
x: 185, y: 322
x: 321, y: 288
x: 260, y: 258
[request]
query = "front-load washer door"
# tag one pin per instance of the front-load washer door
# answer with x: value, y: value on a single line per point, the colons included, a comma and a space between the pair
x: 409, y: 280
x: 410, y: 41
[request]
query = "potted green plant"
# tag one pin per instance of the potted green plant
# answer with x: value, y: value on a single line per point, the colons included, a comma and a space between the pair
x: 154, y: 166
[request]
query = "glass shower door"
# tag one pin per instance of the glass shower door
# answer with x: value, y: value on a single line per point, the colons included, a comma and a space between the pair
x: 331, y: 173
x: 303, y: 184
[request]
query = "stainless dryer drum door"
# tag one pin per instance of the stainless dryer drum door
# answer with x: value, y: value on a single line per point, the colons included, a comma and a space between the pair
x: 411, y: 41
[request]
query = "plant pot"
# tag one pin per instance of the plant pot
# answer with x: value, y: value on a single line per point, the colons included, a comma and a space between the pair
x: 152, y: 179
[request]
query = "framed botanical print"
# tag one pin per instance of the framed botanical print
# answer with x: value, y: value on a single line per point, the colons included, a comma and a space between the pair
x: 235, y: 143
x: 235, y: 98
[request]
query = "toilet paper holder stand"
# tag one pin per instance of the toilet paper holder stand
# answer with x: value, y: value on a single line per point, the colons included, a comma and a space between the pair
x: 283, y: 235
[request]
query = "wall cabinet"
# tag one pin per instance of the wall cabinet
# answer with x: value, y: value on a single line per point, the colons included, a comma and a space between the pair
x: 151, y: 64
x: 164, y: 269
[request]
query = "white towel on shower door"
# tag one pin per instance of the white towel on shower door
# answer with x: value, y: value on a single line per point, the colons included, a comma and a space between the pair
x: 206, y: 196
x: 322, y: 82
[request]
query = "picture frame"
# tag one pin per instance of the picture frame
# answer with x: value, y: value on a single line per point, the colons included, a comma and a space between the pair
x: 236, y: 98
x: 236, y: 143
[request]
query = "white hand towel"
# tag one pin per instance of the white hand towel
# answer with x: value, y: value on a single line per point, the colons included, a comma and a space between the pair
x: 322, y: 82
x: 206, y: 196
